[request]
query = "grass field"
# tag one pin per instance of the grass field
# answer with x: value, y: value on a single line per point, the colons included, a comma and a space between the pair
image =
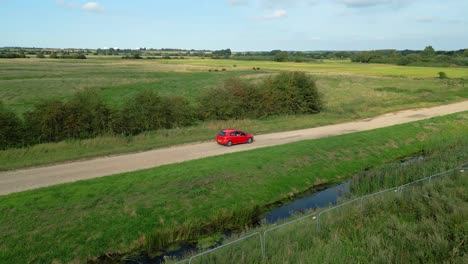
x: 334, y: 67
x: 149, y: 209
x: 25, y: 81
x: 426, y: 223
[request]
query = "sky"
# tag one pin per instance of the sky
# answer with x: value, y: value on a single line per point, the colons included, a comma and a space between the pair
x: 241, y: 25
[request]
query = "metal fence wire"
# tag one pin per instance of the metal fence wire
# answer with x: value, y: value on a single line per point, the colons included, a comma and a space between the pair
x: 262, y: 236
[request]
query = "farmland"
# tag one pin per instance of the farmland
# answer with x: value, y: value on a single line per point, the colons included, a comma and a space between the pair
x: 351, y: 91
x: 154, y: 208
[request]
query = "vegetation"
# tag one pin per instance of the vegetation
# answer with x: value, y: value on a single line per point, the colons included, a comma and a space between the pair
x: 11, y: 128
x: 424, y: 223
x: 25, y: 84
x: 151, y: 209
x: 86, y: 115
x: 11, y: 55
x: 221, y: 54
x: 427, y: 57
x: 286, y: 93
x: 338, y: 67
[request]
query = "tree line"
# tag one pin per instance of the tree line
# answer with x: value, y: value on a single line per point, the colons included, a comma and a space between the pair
x: 426, y: 57
x: 87, y: 115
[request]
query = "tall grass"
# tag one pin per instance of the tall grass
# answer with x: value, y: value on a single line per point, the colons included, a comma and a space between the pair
x: 423, y: 223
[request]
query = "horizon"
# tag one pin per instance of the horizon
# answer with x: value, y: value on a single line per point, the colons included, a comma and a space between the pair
x: 242, y: 25
x: 234, y: 51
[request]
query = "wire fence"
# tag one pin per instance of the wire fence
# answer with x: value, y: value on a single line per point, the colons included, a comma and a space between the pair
x: 261, y: 236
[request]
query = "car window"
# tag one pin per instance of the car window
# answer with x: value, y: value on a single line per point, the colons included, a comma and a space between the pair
x: 222, y: 133
x: 233, y: 134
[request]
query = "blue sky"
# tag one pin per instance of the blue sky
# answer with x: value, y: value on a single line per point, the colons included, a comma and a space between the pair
x: 241, y: 25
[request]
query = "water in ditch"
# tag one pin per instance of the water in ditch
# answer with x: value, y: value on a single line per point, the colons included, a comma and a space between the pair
x: 313, y: 200
x: 307, y: 201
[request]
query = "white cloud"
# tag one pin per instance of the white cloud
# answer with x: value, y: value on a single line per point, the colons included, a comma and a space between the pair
x: 92, y: 7
x: 89, y: 6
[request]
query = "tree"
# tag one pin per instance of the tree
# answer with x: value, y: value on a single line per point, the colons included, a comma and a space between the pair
x: 281, y: 56
x: 428, y: 52
x: 465, y: 53
x: 222, y: 53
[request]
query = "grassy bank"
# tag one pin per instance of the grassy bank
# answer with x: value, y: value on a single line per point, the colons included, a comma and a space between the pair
x: 347, y: 98
x: 424, y: 223
x: 152, y: 208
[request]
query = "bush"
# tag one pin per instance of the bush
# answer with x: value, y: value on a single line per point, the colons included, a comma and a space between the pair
x: 11, y: 128
x: 46, y: 122
x: 144, y: 111
x: 86, y: 115
x: 286, y: 93
x: 178, y: 112
x: 442, y: 75
x: 292, y: 93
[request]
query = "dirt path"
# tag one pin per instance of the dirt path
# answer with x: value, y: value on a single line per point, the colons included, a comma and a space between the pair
x: 20, y: 180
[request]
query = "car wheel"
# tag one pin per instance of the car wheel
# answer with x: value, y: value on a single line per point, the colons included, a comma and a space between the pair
x: 229, y: 143
x: 250, y: 140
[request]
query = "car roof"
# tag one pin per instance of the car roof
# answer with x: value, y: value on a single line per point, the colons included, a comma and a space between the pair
x: 229, y: 130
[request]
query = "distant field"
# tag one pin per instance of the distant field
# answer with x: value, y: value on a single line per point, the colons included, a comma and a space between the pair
x: 24, y: 82
x: 336, y: 67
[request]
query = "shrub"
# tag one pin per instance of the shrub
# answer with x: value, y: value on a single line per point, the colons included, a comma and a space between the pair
x: 144, y: 111
x: 11, y: 128
x: 86, y: 115
x: 46, y: 121
x: 178, y: 112
x: 292, y: 93
x: 442, y: 75
x: 286, y: 93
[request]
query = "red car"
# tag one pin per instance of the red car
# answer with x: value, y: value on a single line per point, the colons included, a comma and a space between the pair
x: 229, y: 137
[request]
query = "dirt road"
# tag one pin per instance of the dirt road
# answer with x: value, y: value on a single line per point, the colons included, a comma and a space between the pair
x: 20, y: 180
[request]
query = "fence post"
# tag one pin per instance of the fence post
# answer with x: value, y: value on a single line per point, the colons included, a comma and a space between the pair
x: 263, y: 244
x: 318, y: 223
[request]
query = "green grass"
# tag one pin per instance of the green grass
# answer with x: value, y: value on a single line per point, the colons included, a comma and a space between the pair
x: 403, y: 227
x: 151, y: 208
x: 347, y: 98
x: 334, y: 67
x: 24, y: 82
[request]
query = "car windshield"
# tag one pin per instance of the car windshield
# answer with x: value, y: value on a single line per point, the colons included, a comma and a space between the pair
x: 222, y: 133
